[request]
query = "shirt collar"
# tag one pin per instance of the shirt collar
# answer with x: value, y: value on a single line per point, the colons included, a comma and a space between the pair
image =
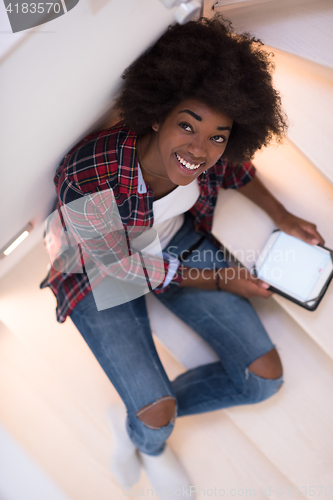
x: 127, y: 160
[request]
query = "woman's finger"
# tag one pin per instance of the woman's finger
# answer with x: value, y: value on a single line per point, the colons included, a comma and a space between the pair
x: 261, y: 285
x: 259, y: 289
x: 313, y: 235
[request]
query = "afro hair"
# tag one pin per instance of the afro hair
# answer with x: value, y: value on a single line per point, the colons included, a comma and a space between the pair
x: 207, y: 61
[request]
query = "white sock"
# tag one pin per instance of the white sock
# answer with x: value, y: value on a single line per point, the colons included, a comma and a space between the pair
x: 125, y: 461
x: 166, y: 475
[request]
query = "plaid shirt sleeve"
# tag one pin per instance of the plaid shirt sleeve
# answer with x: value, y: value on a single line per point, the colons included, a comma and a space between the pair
x: 93, y: 223
x: 236, y: 176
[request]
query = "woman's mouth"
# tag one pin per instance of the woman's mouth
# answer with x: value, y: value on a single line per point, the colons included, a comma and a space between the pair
x: 186, y: 164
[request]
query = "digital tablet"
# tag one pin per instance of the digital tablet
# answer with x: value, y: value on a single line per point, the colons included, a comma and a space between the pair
x: 294, y: 269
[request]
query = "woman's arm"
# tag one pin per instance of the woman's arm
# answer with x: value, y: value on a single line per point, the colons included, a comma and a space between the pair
x: 287, y: 222
x: 236, y: 280
x: 239, y: 280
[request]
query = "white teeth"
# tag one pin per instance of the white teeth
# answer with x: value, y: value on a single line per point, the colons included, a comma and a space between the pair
x: 188, y: 165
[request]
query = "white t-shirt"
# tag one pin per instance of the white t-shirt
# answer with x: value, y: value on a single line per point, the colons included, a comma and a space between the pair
x: 168, y: 219
x: 168, y: 213
x: 169, y: 210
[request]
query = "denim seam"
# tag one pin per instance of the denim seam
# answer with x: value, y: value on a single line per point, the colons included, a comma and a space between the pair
x: 150, y: 354
x: 247, y: 371
x: 164, y: 398
x: 157, y: 428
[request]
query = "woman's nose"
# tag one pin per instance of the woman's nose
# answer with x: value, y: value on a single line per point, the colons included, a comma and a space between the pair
x: 197, y: 148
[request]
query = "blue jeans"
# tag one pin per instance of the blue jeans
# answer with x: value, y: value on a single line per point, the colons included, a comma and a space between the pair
x: 121, y: 340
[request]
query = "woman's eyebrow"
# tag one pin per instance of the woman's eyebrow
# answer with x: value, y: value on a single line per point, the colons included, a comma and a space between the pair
x: 197, y: 117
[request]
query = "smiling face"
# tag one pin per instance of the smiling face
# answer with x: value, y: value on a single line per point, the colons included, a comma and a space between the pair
x: 190, y: 140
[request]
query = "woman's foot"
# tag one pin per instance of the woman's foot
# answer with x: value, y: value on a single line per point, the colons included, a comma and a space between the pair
x: 166, y: 475
x: 125, y: 462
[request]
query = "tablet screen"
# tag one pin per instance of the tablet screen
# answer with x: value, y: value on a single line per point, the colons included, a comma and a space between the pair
x: 293, y: 266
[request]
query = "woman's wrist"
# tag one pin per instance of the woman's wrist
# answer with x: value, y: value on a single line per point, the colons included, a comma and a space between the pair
x: 209, y: 279
x: 217, y: 281
x: 279, y: 215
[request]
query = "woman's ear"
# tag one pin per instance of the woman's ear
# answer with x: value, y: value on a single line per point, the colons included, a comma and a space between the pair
x: 155, y: 127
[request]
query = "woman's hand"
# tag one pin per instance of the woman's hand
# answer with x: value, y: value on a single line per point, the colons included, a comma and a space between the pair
x: 236, y: 280
x: 240, y: 281
x: 299, y: 228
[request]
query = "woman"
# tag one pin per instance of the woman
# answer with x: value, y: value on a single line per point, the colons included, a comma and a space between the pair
x: 195, y: 108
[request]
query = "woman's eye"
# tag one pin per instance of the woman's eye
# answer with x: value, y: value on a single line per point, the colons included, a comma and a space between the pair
x: 218, y: 138
x: 186, y: 126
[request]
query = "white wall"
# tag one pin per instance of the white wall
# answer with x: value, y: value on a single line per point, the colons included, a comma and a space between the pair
x: 56, y: 84
x: 299, y: 27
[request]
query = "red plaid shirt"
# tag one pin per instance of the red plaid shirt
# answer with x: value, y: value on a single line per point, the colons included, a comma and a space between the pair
x: 97, y: 191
